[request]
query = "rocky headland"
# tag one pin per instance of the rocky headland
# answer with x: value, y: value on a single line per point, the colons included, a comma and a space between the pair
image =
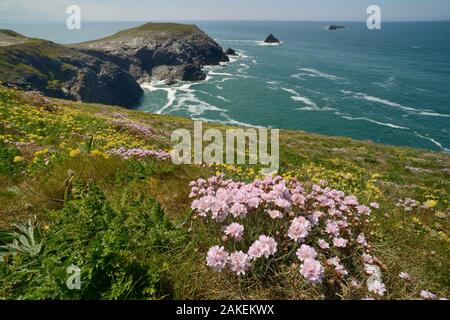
x: 108, y: 70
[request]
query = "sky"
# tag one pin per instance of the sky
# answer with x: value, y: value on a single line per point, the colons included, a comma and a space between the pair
x: 177, y: 10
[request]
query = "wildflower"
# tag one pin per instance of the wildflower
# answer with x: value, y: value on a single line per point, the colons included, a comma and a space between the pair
x: 340, y: 242
x: 75, y: 153
x: 217, y: 258
x: 350, y: 201
x: 299, y: 229
x: 427, y: 295
x: 275, y: 214
x: 239, y: 262
x: 18, y: 159
x: 367, y: 258
x: 354, y: 283
x: 338, y: 267
x: 332, y: 228
x: 306, y: 252
x: 315, y: 218
x: 404, y: 276
x: 430, y: 204
x: 323, y: 244
x: 375, y: 205
x: 372, y: 270
x: 312, y: 271
x: 140, y: 153
x: 361, y: 240
x: 264, y: 246
x: 235, y: 230
x: 376, y: 286
x: 363, y: 210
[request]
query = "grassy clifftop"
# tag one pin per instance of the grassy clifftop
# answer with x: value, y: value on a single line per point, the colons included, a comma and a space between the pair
x: 127, y: 220
x: 164, y: 29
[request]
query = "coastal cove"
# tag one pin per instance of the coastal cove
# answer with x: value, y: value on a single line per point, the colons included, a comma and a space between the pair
x: 351, y: 82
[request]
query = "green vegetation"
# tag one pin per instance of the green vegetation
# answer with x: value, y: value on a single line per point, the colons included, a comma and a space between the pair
x: 127, y: 223
x: 151, y: 27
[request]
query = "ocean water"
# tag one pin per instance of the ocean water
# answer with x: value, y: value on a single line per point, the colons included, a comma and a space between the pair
x: 390, y: 86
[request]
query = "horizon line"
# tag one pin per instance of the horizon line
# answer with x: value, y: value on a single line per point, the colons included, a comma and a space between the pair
x: 225, y: 20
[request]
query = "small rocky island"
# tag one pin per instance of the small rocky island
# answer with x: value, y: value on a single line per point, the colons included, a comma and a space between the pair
x: 108, y: 70
x: 336, y: 27
x: 272, y: 39
x: 230, y: 52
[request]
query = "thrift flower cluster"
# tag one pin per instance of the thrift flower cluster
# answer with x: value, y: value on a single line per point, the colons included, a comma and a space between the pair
x: 139, y: 153
x: 134, y: 126
x: 320, y: 228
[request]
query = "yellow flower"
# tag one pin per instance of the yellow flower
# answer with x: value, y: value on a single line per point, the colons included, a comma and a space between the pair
x: 18, y: 159
x: 75, y: 153
x: 431, y: 204
x: 41, y: 152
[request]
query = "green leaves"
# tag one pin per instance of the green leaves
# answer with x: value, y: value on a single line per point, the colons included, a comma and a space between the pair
x: 21, y: 242
x: 122, y: 248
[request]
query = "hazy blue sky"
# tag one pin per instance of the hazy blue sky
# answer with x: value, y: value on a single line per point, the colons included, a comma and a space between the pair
x: 224, y: 10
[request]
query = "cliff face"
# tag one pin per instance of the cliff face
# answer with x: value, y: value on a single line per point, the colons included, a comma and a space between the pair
x: 107, y: 70
x: 143, y: 50
x: 62, y: 72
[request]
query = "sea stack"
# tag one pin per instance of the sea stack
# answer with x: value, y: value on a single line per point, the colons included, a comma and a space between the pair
x: 271, y: 39
x: 230, y: 52
x: 335, y: 27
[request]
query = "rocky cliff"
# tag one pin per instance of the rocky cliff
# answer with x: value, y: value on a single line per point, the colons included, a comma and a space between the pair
x: 107, y: 70
x: 165, y: 50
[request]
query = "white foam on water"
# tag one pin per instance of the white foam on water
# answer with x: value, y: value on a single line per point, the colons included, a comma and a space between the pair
x: 297, y: 97
x: 180, y: 97
x: 364, y: 96
x: 224, y: 74
x: 316, y: 73
x: 227, y: 121
x: 244, y: 68
x: 432, y: 140
x: 434, y: 114
x: 262, y: 43
x: 385, y: 124
x: 223, y: 99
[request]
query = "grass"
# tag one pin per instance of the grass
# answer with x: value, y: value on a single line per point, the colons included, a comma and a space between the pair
x: 128, y: 223
x: 165, y: 28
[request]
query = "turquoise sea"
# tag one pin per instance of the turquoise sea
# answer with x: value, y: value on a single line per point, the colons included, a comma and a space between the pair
x: 391, y: 86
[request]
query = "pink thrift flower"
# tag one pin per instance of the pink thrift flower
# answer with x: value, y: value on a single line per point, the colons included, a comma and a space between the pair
x: 427, y: 295
x: 367, y: 258
x: 371, y: 270
x: 340, y: 242
x: 239, y: 262
x: 299, y: 229
x: 312, y: 271
x: 363, y: 210
x: 375, y: 205
x: 323, y: 244
x: 361, y: 240
x: 275, y: 214
x: 376, y: 286
x: 264, y: 246
x: 238, y: 210
x: 235, y: 230
x: 351, y: 201
x: 404, y: 276
x: 306, y: 252
x: 217, y: 258
x: 332, y: 228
